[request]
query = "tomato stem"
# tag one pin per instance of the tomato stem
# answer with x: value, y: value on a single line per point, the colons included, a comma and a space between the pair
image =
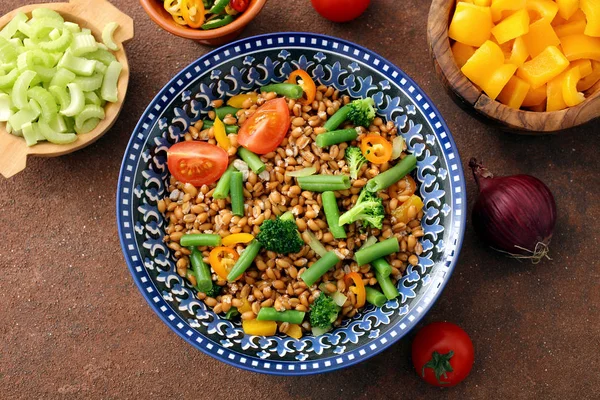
x: 440, y: 364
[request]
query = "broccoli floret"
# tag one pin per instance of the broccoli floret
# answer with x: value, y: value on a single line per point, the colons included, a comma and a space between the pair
x: 362, y: 112
x: 280, y: 235
x: 355, y: 160
x: 323, y: 312
x: 368, y: 209
x: 214, y: 291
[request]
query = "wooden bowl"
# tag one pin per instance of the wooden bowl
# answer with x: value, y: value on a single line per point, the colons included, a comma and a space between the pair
x: 212, y: 37
x: 92, y: 14
x: 469, y: 97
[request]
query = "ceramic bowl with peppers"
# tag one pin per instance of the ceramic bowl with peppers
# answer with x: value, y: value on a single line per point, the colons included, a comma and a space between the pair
x: 211, y: 22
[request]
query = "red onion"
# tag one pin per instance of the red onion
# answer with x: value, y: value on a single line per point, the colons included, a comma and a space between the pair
x: 514, y: 214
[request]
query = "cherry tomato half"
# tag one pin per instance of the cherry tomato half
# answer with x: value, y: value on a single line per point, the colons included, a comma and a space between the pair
x: 442, y: 354
x: 340, y: 10
x: 198, y: 163
x: 300, y: 77
x: 264, y: 131
x: 239, y: 5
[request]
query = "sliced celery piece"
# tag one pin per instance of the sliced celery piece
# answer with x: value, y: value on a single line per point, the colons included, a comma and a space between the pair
x: 104, y: 56
x: 55, y: 137
x: 5, y: 107
x: 11, y: 28
x: 20, y: 88
x: 45, y: 74
x: 55, y: 34
x: 25, y: 29
x: 9, y: 129
x: 58, y: 124
x: 59, y: 44
x: 33, y: 57
x: 86, y: 31
x: 30, y: 134
x: 43, y: 26
x: 83, y: 44
x: 80, y: 66
x: 91, y: 83
x: 102, y: 46
x: 45, y: 100
x: 61, y: 96
x: 62, y: 78
x: 23, y: 116
x: 73, y: 27
x: 101, y: 68
x: 92, y: 98
x: 88, y: 126
x: 8, y: 51
x: 35, y: 106
x: 8, y: 80
x: 77, y: 101
x: 46, y: 13
x: 109, y: 86
x: 89, y: 111
x: 107, y: 35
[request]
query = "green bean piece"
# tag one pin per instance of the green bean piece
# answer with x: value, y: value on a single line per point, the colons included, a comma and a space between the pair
x: 222, y: 188
x: 252, y: 160
x: 378, y: 250
x: 332, y: 213
x: 375, y: 297
x: 218, y: 7
x: 271, y: 314
x: 201, y: 271
x: 218, y: 22
x: 387, y: 286
x: 337, y: 119
x: 392, y: 175
x: 200, y: 239
x: 208, y: 123
x: 245, y: 260
x: 382, y: 266
x: 237, y: 193
x: 284, y: 89
x: 318, y: 269
x: 330, y: 138
x: 323, y: 183
x: 224, y: 111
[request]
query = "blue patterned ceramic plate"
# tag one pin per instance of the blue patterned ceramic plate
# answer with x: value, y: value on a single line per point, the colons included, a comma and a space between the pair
x: 246, y: 65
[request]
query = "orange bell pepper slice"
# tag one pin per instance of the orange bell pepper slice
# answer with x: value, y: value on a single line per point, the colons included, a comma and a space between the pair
x: 358, y: 289
x: 401, y: 213
x: 236, y: 238
x: 238, y: 100
x: 197, y: 20
x: 222, y: 259
x: 376, y: 149
x: 300, y: 77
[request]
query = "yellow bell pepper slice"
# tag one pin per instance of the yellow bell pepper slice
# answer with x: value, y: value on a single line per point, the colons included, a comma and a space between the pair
x: 462, y: 52
x: 544, y: 67
x: 500, y: 8
x: 238, y: 100
x: 401, y: 213
x: 512, y: 27
x: 519, y: 52
x: 585, y: 67
x: 535, y: 97
x: 259, y: 328
x: 498, y: 80
x: 576, y: 47
x: 471, y: 24
x: 514, y: 92
x: 591, y: 9
x: 539, y: 108
x: 483, y: 62
x: 483, y: 3
x: 570, y: 28
x: 566, y: 8
x: 555, y: 100
x: 294, y: 331
x: 569, y: 87
x: 540, y: 35
x: 245, y: 306
x: 220, y: 134
x: 590, y: 80
x: 236, y: 238
x: 542, y: 9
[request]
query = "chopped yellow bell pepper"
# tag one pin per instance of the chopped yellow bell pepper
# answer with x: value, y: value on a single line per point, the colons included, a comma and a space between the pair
x: 570, y: 28
x: 539, y: 108
x: 462, y: 52
x: 259, y: 328
x: 236, y: 238
x: 483, y: 62
x: 238, y: 100
x: 585, y: 67
x: 591, y: 79
x: 540, y: 36
x: 294, y: 331
x: 542, y: 9
x: 514, y: 92
x: 566, y: 8
x: 576, y: 47
x: 483, y: 3
x: 591, y: 9
x: 221, y: 135
x: 245, y: 307
x: 544, y: 67
x: 535, y: 97
x: 555, y: 100
x: 519, y: 52
x: 471, y: 24
x: 500, y: 8
x: 498, y: 80
x: 401, y: 213
x: 569, y: 87
x: 512, y: 27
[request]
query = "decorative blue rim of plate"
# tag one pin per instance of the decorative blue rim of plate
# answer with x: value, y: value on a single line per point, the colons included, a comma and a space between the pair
x: 172, y: 90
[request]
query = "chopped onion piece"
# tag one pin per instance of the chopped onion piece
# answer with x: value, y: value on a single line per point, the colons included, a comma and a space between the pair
x: 397, y: 146
x: 339, y: 298
x: 302, y: 172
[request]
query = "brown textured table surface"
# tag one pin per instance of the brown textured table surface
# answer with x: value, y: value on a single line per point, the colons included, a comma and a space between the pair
x: 73, y: 325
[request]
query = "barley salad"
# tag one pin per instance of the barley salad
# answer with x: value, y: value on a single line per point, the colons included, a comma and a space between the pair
x: 292, y: 207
